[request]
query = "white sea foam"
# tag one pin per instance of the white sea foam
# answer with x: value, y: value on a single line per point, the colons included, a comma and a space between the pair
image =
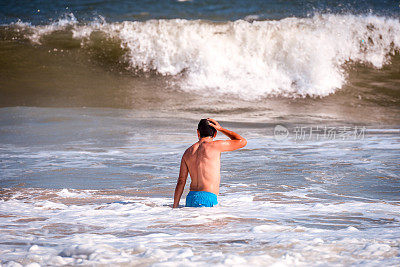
x: 290, y: 57
x: 146, y: 231
x: 73, y: 193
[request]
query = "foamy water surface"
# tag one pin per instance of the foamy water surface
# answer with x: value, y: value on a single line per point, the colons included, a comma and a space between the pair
x: 95, y: 186
x: 58, y: 227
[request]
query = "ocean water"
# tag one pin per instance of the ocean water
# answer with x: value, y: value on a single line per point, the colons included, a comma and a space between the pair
x: 99, y: 100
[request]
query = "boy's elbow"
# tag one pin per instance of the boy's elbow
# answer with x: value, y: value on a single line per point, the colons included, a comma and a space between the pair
x: 181, y: 181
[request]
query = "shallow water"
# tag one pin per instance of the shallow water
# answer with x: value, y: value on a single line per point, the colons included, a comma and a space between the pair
x: 60, y: 227
x: 95, y: 186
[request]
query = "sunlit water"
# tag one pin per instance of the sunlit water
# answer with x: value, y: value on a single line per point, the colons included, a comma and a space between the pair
x: 95, y: 186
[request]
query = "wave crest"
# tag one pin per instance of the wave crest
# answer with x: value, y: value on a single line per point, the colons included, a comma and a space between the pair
x: 290, y: 57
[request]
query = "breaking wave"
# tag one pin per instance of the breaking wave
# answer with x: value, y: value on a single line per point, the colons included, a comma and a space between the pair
x: 289, y: 57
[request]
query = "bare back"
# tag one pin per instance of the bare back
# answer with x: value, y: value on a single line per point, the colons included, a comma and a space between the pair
x: 203, y: 160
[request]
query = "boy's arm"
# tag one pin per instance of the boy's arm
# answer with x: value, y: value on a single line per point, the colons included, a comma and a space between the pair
x: 180, y: 185
x: 236, y: 141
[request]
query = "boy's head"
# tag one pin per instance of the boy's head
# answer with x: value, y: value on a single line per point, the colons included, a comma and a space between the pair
x: 205, y: 130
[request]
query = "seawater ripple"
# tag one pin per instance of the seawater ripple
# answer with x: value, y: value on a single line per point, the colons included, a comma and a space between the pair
x: 95, y: 186
x: 58, y: 227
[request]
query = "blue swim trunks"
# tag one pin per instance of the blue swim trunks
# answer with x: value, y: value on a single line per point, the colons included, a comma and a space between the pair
x: 201, y: 199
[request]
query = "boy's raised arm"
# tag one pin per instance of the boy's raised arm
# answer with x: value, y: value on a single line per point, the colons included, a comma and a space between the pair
x: 236, y: 141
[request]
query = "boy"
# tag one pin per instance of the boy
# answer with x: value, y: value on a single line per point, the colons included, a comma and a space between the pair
x: 203, y: 161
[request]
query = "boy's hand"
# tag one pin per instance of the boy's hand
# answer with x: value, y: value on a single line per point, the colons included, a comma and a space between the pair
x: 214, y: 124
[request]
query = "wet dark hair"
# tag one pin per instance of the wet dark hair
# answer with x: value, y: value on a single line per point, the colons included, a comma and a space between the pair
x: 205, y: 129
